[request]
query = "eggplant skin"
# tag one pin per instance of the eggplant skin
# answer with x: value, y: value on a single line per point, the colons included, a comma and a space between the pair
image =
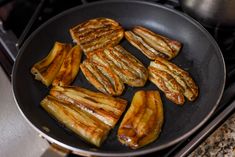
x: 166, y: 83
x: 102, y: 77
x: 106, y: 108
x: 143, y: 120
x: 108, y: 70
x: 173, y: 81
x: 97, y: 34
x: 70, y: 67
x: 152, y: 44
x: 46, y: 69
x: 128, y: 68
x: 83, y: 124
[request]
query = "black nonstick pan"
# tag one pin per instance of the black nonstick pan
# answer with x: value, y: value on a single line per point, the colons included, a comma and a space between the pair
x: 200, y: 56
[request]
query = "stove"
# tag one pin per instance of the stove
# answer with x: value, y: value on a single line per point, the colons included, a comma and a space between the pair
x: 19, y: 18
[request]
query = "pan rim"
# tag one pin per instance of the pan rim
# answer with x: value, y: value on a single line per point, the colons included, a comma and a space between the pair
x: 136, y: 152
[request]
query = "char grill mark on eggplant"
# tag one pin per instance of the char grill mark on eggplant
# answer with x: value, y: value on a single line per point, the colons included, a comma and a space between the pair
x: 166, y: 83
x: 104, y: 107
x: 97, y: 34
x: 102, y: 77
x: 124, y: 64
x: 91, y: 115
x: 151, y: 44
x: 82, y: 123
x: 172, y: 80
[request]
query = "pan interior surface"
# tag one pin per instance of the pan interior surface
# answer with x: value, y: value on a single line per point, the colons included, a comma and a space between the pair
x: 200, y: 56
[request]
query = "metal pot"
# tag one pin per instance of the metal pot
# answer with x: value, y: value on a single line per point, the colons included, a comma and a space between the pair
x: 211, y: 13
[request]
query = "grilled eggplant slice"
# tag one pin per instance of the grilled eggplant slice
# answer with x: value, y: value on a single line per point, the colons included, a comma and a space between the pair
x: 102, y: 77
x: 106, y: 108
x: 69, y: 68
x: 143, y: 121
x: 126, y: 66
x: 153, y: 45
x: 172, y: 80
x: 47, y: 69
x: 166, y: 83
x: 96, y: 34
x: 85, y: 125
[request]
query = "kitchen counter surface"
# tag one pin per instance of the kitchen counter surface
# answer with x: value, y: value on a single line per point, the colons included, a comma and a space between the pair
x: 17, y: 138
x: 219, y: 144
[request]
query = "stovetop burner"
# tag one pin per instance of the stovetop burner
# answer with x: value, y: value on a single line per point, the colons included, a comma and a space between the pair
x: 18, y: 22
x: 17, y: 18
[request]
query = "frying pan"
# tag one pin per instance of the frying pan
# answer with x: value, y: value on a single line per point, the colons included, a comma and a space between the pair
x: 200, y: 56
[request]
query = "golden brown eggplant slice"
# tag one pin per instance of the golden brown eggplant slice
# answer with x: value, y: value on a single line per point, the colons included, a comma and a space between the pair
x: 143, y: 121
x: 166, y: 83
x: 140, y: 44
x: 69, y: 68
x: 83, y: 124
x: 151, y: 44
x: 106, y: 108
x: 102, y: 77
x: 96, y: 34
x: 177, y: 76
x: 47, y: 69
x: 126, y: 66
x: 180, y: 75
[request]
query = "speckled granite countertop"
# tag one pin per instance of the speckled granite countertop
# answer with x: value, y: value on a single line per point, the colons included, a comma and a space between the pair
x: 221, y: 143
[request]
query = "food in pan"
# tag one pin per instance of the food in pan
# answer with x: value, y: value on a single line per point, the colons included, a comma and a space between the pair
x: 102, y: 77
x: 96, y: 34
x: 172, y: 80
x: 128, y: 68
x: 151, y: 44
x: 105, y: 108
x: 46, y: 69
x: 109, y: 69
x: 82, y: 123
x: 108, y: 66
x: 70, y: 67
x: 143, y: 120
x: 167, y: 84
x: 89, y: 114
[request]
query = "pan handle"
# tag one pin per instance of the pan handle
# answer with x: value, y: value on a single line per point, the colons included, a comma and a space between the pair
x: 55, y: 151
